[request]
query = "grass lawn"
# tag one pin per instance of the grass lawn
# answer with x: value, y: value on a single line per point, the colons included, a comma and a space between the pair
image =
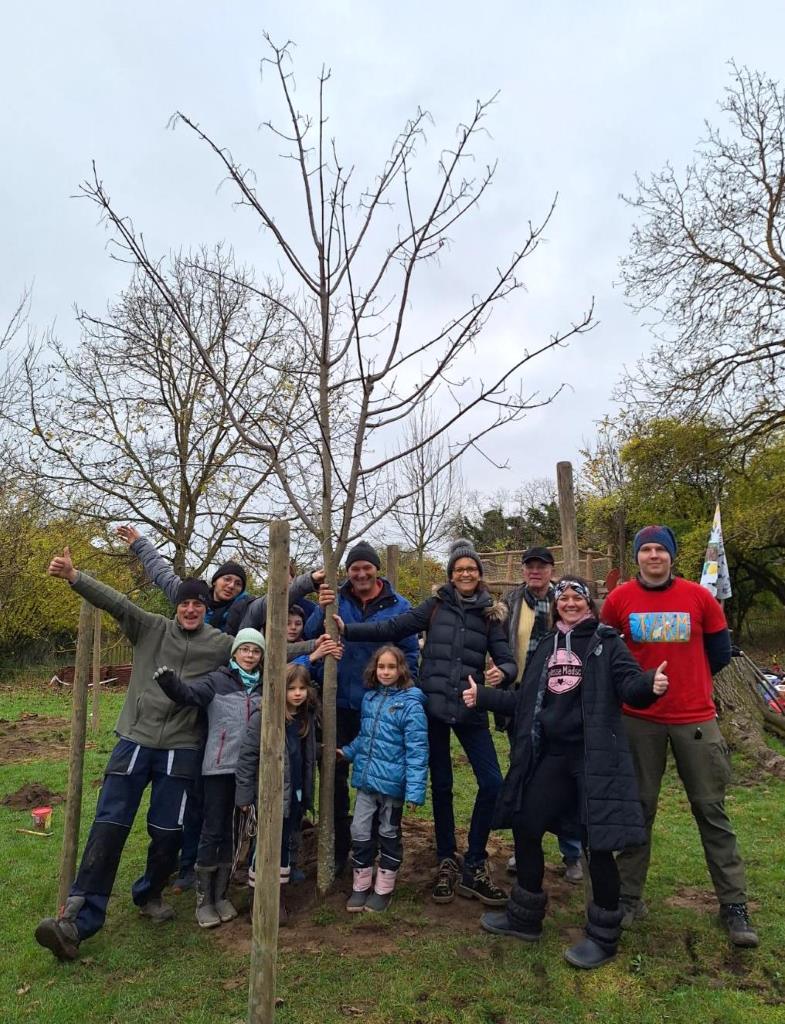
x: 413, y: 965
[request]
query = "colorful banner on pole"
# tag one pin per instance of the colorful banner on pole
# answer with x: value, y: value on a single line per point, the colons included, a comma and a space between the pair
x: 715, y: 576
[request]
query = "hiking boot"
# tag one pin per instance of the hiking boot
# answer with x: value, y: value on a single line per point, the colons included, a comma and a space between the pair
x: 498, y: 922
x: 60, y: 935
x: 446, y: 878
x: 477, y: 884
x: 737, y: 921
x: 381, y: 897
x: 185, y: 880
x: 157, y: 910
x: 223, y: 906
x: 573, y: 872
x: 634, y: 910
x: 512, y: 867
x: 206, y: 914
x: 362, y: 880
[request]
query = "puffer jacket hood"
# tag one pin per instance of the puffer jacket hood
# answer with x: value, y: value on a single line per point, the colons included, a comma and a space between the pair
x: 390, y: 754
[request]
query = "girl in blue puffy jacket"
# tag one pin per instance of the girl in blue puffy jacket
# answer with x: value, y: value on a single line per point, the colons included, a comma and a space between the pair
x: 390, y: 757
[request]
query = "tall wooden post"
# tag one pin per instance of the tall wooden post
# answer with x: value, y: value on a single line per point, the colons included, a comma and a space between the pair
x: 96, y: 704
x: 264, y: 940
x: 73, y: 805
x: 569, y: 524
x: 393, y: 561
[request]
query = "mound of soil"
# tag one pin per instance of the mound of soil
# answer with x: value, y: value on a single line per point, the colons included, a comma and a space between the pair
x: 33, y: 736
x: 316, y: 924
x: 32, y: 794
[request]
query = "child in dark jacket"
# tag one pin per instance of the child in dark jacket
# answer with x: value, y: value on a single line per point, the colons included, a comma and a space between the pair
x: 570, y: 766
x: 230, y: 695
x: 299, y: 765
x: 390, y: 757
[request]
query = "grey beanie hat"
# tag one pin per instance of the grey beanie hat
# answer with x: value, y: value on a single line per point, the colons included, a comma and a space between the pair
x: 462, y: 548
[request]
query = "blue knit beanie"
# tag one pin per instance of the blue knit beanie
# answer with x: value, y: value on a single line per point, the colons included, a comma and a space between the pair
x: 655, y: 535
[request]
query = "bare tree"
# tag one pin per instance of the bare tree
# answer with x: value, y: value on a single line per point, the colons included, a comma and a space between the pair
x: 424, y: 519
x: 132, y: 426
x: 708, y: 259
x: 364, y: 371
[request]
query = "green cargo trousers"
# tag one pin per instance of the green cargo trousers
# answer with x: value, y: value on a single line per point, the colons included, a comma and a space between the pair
x: 703, y: 764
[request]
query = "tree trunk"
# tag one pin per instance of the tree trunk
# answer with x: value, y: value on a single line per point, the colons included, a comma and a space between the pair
x: 393, y: 559
x: 325, y: 856
x: 264, y: 939
x: 743, y: 717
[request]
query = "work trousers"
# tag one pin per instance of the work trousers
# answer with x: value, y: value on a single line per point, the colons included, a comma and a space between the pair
x: 131, y: 768
x: 703, y: 763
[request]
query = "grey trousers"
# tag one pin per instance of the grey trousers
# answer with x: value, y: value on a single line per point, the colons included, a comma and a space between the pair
x: 703, y: 764
x: 364, y: 844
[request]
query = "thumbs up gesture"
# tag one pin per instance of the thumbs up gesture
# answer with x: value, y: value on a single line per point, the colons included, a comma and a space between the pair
x: 470, y: 694
x: 493, y: 674
x: 660, y: 680
x: 62, y: 566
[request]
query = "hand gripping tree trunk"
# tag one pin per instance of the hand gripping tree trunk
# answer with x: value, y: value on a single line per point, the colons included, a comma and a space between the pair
x: 333, y: 421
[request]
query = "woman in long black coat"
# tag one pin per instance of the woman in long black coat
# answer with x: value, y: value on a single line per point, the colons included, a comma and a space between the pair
x: 464, y: 627
x: 571, y: 772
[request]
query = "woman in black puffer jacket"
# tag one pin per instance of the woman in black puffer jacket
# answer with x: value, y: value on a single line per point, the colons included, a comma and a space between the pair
x: 463, y: 627
x: 571, y: 771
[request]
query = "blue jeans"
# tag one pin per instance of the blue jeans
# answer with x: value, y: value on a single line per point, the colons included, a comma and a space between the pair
x: 477, y: 744
x: 130, y: 769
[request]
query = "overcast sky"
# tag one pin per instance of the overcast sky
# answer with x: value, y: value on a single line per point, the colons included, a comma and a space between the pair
x: 589, y: 94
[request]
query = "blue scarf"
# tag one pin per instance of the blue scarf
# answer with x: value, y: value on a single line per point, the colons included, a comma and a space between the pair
x: 250, y: 679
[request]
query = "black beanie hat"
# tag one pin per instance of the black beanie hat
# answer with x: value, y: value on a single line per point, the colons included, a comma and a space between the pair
x: 192, y: 589
x: 462, y: 548
x: 228, y: 569
x: 363, y: 552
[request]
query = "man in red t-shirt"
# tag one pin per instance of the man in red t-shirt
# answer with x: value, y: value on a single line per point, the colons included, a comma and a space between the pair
x: 665, y: 618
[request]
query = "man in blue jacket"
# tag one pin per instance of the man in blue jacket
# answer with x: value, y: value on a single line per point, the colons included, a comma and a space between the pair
x: 364, y: 597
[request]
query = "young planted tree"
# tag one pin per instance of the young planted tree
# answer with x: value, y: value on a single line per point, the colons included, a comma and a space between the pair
x: 132, y: 426
x: 364, y: 372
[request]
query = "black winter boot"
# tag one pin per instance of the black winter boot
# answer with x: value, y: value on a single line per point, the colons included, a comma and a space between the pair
x: 522, y: 918
x: 603, y: 928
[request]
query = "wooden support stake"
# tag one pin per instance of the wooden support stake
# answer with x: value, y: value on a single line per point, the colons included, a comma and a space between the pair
x: 264, y: 939
x: 73, y: 805
x: 569, y: 524
x: 393, y: 560
x: 96, y: 709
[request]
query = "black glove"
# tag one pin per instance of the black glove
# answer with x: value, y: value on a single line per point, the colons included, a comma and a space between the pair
x: 164, y: 677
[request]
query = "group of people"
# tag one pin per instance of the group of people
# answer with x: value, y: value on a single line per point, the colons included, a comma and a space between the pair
x: 590, y: 704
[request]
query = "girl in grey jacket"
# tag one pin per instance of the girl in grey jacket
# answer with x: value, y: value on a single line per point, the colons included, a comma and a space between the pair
x: 230, y: 696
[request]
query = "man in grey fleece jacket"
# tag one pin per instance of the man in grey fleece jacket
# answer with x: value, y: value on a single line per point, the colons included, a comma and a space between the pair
x: 159, y: 744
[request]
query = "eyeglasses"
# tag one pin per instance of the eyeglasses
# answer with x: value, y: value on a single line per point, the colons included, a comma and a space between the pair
x: 466, y: 572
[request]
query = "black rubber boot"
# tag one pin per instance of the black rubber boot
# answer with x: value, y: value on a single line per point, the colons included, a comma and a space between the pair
x: 522, y: 918
x: 206, y: 914
x: 603, y: 928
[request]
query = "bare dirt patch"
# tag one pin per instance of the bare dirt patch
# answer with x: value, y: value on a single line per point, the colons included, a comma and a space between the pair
x: 33, y: 736
x: 315, y: 924
x: 702, y: 901
x: 32, y: 794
